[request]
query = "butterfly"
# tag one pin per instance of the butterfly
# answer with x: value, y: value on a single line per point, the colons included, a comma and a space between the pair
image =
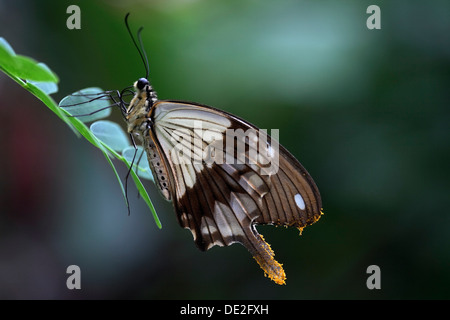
x: 224, y: 175
x: 221, y: 202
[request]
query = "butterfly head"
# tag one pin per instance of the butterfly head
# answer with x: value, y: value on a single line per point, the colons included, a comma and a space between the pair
x: 144, y: 90
x: 141, y: 84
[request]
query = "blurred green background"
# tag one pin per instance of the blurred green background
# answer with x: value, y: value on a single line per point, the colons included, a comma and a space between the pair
x: 367, y: 112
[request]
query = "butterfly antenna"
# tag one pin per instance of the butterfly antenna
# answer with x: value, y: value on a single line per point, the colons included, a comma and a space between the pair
x: 147, y: 68
x: 143, y: 55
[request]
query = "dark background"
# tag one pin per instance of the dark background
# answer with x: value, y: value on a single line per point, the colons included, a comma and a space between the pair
x: 366, y: 112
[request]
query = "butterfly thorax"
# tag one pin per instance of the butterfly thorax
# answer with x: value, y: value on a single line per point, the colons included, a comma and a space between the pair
x: 137, y: 116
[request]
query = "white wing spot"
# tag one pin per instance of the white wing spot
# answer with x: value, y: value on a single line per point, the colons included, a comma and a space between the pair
x: 299, y: 201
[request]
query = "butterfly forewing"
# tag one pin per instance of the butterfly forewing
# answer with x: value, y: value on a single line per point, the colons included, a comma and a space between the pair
x: 221, y: 199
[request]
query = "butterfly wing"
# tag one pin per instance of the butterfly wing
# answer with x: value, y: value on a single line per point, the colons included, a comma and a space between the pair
x: 221, y: 199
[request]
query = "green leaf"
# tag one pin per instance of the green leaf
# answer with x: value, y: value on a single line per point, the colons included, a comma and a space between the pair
x: 111, y: 134
x: 6, y: 46
x: 140, y: 161
x: 46, y: 87
x: 29, y: 69
x: 7, y: 55
x: 23, y: 67
x: 88, y: 104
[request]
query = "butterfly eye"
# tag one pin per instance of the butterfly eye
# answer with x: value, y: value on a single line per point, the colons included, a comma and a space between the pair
x: 141, y: 83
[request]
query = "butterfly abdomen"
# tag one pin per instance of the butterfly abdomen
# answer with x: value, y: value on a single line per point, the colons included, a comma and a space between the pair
x: 158, y: 169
